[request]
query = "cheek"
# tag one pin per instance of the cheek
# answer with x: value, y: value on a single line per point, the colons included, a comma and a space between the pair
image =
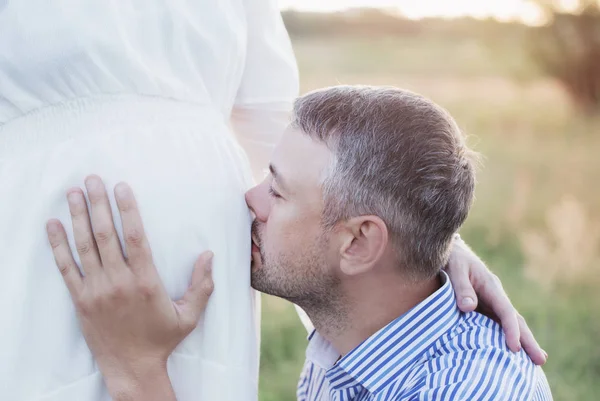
x: 280, y: 235
x: 288, y: 233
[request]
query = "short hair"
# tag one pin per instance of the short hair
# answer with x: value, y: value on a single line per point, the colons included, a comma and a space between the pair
x: 399, y: 156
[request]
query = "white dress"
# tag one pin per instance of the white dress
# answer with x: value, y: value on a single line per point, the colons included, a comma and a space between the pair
x: 149, y: 92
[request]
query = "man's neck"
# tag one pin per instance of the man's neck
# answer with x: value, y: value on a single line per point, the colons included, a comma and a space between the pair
x: 372, y: 304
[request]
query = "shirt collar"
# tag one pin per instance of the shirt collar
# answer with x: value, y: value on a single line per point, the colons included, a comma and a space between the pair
x: 391, y: 350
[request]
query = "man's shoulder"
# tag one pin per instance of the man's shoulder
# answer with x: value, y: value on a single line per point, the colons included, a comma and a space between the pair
x: 477, y: 343
x: 474, y: 331
x: 473, y: 362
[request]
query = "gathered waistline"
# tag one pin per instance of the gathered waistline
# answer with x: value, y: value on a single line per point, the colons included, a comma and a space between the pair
x: 93, y: 115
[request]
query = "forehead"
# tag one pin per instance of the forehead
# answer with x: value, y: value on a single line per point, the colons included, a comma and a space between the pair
x: 300, y: 160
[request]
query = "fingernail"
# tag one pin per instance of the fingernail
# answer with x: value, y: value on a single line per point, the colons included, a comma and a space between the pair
x: 53, y: 227
x: 208, y: 260
x: 468, y: 301
x: 122, y: 191
x: 74, y: 197
x: 546, y: 354
x: 93, y: 183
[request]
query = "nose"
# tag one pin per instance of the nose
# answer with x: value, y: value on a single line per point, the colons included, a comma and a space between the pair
x: 259, y: 202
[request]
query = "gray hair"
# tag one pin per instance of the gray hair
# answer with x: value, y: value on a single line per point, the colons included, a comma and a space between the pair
x: 399, y: 156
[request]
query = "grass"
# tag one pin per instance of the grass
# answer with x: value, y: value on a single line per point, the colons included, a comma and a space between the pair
x: 536, y: 220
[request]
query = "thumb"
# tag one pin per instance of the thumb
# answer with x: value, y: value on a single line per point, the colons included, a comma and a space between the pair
x: 196, y: 297
x: 463, y: 289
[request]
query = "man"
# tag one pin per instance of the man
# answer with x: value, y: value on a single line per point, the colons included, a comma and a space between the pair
x: 367, y: 189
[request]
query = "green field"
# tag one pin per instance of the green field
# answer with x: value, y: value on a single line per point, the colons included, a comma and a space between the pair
x: 536, y: 220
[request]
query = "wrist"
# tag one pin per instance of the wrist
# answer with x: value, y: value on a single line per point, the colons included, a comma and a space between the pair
x: 136, y: 382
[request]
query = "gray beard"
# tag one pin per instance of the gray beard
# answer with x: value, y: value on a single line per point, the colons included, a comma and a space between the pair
x: 305, y: 285
x: 319, y: 297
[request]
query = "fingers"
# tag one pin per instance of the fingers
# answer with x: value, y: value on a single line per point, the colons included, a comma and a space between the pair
x: 137, y: 248
x: 470, y: 276
x: 196, y: 298
x: 459, y: 268
x: 103, y: 225
x: 494, y: 297
x: 82, y: 231
x: 64, y: 258
x: 510, y: 326
x: 530, y: 345
x: 463, y: 289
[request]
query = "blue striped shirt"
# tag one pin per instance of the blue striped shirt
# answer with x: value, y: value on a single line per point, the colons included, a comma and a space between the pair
x: 433, y: 352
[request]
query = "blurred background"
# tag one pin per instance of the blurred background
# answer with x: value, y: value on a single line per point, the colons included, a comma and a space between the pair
x: 522, y: 79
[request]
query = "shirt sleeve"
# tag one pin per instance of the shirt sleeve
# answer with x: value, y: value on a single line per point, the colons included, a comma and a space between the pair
x: 269, y: 84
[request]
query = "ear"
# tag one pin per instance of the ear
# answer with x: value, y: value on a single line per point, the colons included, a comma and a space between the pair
x: 364, y: 244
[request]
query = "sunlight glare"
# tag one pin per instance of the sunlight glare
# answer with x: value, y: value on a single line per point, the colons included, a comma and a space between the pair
x: 504, y: 10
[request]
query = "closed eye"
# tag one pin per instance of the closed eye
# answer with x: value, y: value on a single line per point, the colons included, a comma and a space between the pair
x: 274, y: 193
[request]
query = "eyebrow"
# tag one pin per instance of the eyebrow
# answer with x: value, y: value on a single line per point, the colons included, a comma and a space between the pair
x: 277, y: 177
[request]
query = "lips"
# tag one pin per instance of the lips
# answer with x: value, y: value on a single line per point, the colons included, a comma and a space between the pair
x: 255, y: 256
x: 255, y: 239
x: 255, y: 246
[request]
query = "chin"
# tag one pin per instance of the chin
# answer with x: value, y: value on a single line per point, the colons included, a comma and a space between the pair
x: 254, y: 282
x: 257, y: 280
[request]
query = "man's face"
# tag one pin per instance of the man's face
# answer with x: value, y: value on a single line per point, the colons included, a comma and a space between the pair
x: 291, y: 253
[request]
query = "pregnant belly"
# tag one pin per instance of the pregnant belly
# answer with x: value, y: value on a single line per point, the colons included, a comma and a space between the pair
x: 189, y: 178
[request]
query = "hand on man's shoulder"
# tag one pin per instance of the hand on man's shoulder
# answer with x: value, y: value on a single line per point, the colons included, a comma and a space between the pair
x: 472, y: 362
